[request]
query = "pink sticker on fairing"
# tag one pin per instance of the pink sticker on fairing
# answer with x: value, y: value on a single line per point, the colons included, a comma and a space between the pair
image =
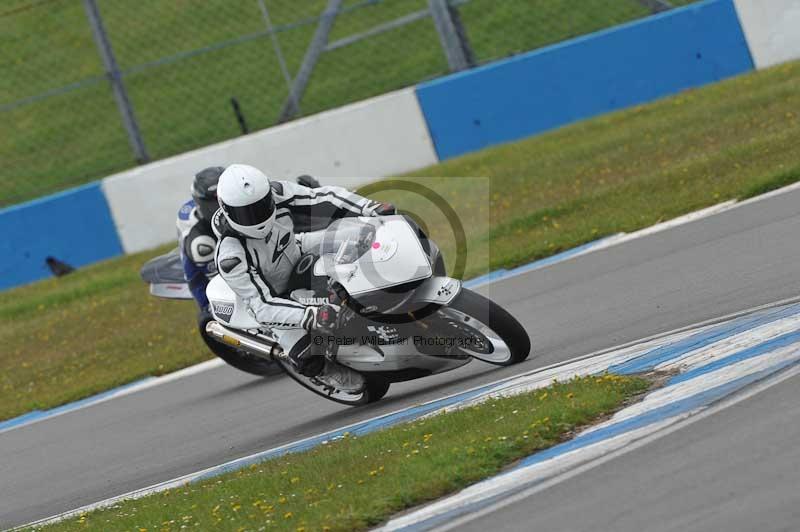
x: 376, y: 245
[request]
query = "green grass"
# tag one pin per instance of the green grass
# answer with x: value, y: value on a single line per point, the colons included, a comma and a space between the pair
x: 357, y: 482
x: 71, y: 337
x: 67, y: 338
x: 75, y: 137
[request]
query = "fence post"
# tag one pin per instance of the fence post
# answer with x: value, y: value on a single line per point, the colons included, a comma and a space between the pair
x: 315, y: 49
x: 456, y: 49
x: 115, y: 78
x: 278, y: 52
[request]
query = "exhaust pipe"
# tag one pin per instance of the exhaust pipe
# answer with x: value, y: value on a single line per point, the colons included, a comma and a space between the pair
x: 261, y: 346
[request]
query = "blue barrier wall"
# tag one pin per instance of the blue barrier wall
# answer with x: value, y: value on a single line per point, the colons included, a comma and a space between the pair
x: 74, y: 226
x: 501, y: 102
x: 577, y: 79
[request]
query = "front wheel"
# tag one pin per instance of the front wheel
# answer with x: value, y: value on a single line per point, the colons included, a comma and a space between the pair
x: 494, y: 335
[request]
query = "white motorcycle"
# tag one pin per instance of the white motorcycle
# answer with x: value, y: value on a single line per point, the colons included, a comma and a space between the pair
x: 401, y: 316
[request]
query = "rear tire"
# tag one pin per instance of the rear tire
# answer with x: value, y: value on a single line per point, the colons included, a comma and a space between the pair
x: 240, y: 360
x: 499, y: 321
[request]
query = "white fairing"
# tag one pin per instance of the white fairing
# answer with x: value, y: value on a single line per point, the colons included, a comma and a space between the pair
x: 227, y: 307
x: 390, y: 357
x: 396, y: 257
x: 441, y: 290
x: 171, y: 290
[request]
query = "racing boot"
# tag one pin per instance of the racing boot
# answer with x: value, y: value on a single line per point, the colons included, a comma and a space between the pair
x: 342, y: 378
x: 320, y: 322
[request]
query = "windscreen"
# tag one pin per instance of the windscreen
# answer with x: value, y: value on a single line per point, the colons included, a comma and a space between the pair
x: 347, y: 239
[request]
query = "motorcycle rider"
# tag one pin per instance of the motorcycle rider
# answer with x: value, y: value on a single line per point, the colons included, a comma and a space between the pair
x: 197, y: 243
x: 262, y: 227
x: 196, y: 239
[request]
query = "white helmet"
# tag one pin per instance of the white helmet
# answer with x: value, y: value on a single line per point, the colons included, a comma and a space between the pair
x: 246, y: 200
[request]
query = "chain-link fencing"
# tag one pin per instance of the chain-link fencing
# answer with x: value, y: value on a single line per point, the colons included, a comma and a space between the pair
x: 90, y: 87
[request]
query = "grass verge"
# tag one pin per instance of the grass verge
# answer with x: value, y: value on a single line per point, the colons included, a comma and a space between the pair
x: 358, y: 482
x: 67, y: 338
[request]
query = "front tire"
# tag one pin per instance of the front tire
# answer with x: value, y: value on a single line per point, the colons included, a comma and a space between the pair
x: 490, y: 320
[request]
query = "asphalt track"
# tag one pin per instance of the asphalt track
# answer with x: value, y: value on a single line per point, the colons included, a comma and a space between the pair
x: 715, y: 266
x: 736, y: 470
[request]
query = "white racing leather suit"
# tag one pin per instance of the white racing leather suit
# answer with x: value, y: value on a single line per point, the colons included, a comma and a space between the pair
x: 258, y: 270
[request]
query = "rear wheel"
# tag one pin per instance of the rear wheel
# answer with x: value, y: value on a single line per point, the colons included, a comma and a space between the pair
x: 240, y: 360
x: 491, y: 333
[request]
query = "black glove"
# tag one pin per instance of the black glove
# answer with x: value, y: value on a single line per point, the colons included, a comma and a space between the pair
x: 307, y: 181
x: 320, y: 319
x: 380, y: 209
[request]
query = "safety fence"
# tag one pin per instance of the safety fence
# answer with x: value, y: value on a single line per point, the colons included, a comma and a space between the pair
x: 415, y: 127
x: 91, y: 87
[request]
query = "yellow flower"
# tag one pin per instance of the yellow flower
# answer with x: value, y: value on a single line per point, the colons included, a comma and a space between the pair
x: 295, y: 480
x: 288, y: 515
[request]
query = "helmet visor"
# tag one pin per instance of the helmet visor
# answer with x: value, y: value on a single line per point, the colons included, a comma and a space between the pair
x: 254, y: 214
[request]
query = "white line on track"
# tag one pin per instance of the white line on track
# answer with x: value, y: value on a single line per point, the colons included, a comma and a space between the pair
x: 215, y: 363
x: 179, y: 481
x: 740, y: 396
x: 206, y: 366
x: 699, y: 385
x: 112, y: 394
x: 621, y: 352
